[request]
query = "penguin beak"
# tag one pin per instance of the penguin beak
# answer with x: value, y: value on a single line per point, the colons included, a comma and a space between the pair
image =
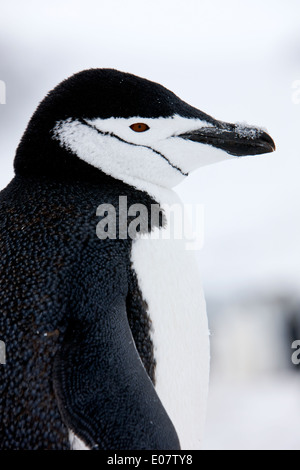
x: 235, y: 139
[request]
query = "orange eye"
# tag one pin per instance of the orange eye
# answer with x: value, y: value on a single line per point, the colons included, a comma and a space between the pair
x: 139, y: 127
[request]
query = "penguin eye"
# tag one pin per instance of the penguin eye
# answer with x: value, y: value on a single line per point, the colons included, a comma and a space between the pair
x: 139, y: 127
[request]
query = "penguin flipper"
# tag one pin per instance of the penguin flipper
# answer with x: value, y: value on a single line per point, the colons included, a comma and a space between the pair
x: 104, y: 394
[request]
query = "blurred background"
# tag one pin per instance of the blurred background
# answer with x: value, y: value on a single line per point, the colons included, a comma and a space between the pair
x: 237, y: 61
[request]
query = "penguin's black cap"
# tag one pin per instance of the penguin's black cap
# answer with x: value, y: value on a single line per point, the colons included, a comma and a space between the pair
x: 105, y: 93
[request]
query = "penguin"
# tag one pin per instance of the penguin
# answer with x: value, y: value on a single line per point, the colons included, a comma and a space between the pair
x: 107, y: 339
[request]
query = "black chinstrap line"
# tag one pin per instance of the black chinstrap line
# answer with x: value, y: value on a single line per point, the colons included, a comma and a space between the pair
x: 83, y: 121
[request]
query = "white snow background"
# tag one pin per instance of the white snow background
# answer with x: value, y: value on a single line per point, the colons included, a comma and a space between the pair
x: 237, y: 61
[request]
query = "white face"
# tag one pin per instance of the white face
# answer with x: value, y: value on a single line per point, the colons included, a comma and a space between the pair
x: 158, y: 155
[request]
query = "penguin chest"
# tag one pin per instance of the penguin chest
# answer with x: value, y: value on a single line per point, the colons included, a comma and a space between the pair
x: 170, y: 283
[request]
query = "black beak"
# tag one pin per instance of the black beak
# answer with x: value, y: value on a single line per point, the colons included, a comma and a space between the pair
x: 236, y: 139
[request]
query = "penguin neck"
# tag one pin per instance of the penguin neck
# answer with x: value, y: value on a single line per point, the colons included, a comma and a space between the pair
x: 160, y: 194
x: 85, y: 174
x: 96, y: 189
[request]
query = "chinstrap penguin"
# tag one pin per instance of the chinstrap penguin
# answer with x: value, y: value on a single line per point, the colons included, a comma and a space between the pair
x: 107, y: 342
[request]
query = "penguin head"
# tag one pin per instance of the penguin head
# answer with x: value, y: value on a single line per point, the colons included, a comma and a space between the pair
x: 102, y: 121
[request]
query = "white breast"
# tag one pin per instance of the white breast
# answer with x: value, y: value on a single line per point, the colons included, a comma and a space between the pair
x: 76, y: 443
x: 170, y: 283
